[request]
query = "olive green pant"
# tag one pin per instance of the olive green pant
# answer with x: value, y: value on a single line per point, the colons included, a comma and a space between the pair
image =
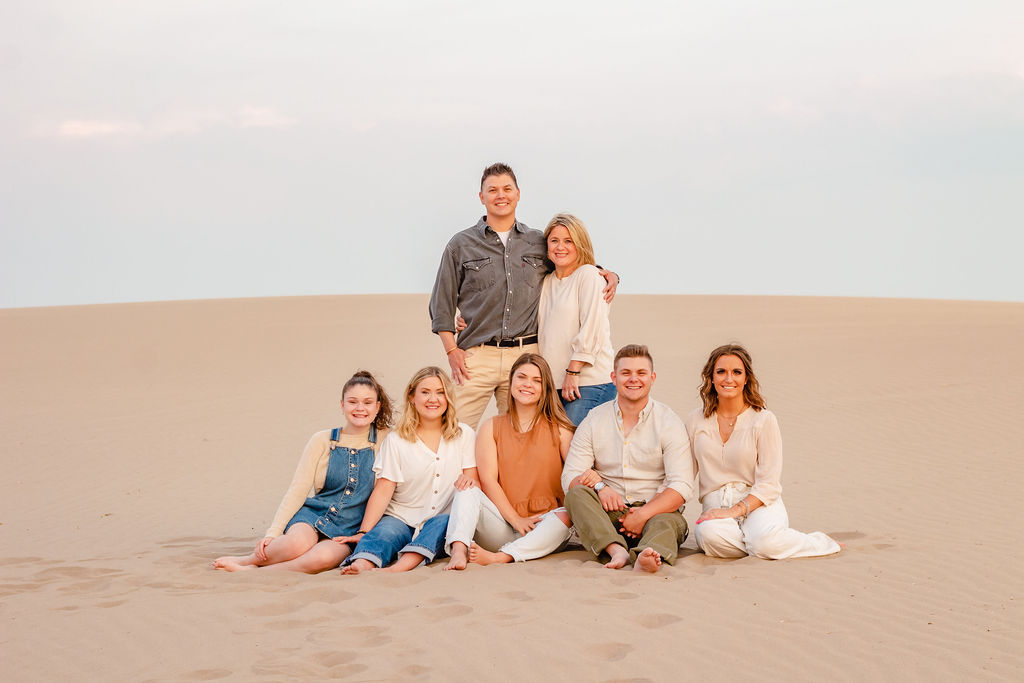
x: 598, y: 528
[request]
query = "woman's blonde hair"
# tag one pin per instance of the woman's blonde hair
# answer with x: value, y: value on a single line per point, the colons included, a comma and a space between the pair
x: 577, y: 233
x: 410, y: 419
x: 751, y: 390
x: 549, y: 407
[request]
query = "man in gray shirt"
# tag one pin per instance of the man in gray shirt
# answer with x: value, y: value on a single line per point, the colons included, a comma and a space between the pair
x: 491, y: 273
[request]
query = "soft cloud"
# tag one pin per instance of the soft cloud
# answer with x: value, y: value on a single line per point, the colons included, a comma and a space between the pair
x: 785, y: 108
x: 263, y: 117
x: 91, y: 129
x: 183, y: 122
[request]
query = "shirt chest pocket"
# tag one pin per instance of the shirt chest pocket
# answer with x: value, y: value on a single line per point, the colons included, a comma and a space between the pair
x: 477, y: 274
x: 533, y: 271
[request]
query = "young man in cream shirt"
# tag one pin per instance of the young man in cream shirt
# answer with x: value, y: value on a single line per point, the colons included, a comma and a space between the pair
x: 629, y: 472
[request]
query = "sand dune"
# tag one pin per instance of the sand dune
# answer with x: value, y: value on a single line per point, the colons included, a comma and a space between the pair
x: 140, y: 441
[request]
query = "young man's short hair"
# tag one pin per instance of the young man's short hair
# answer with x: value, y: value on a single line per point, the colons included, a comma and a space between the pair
x: 499, y: 168
x: 633, y: 351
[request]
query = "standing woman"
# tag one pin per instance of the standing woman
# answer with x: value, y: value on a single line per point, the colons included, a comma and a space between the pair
x: 519, y: 456
x: 572, y: 318
x: 420, y: 465
x: 336, y: 473
x: 737, y: 449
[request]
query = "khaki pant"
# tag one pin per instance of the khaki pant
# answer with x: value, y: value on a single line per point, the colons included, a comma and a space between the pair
x: 489, y: 367
x: 597, y: 528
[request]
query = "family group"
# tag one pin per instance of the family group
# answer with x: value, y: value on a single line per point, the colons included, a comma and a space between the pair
x: 579, y: 453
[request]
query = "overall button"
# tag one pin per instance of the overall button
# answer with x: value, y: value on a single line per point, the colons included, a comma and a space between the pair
x: 351, y: 464
x: 347, y: 492
x: 352, y: 451
x: 351, y: 478
x: 334, y: 509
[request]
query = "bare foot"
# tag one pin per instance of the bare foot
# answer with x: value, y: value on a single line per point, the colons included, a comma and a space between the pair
x: 619, y: 555
x: 486, y: 557
x: 233, y: 564
x: 459, y: 556
x: 647, y: 561
x: 358, y: 567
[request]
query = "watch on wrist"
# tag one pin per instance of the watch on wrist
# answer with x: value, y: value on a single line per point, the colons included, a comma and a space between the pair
x: 598, y: 486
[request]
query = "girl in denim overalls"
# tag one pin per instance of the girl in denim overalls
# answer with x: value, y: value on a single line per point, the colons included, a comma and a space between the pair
x: 419, y: 467
x: 336, y: 471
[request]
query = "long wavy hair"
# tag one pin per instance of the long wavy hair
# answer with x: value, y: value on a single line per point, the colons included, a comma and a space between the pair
x: 362, y: 378
x: 549, y: 407
x: 751, y: 390
x: 410, y: 420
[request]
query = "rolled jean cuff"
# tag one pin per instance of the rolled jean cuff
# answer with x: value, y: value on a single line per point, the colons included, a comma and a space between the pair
x: 427, y: 553
x: 363, y: 555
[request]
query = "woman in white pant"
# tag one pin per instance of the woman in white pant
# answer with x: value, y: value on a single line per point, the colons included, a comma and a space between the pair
x: 517, y: 512
x: 737, y: 451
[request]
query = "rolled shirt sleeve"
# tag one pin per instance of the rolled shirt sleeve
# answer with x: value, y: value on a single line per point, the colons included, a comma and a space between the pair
x: 388, y: 463
x: 595, y: 332
x: 581, y: 453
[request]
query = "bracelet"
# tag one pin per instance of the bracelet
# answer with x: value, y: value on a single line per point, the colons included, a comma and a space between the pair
x: 746, y: 508
x: 362, y: 532
x: 572, y: 372
x: 449, y: 351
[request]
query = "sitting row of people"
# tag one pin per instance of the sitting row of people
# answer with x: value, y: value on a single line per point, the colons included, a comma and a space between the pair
x: 530, y: 482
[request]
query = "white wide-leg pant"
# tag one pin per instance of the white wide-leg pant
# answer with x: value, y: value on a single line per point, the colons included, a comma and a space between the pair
x: 474, y: 517
x: 765, y: 532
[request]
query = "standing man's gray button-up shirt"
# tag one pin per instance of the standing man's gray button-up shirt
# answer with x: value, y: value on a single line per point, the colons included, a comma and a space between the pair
x: 494, y: 286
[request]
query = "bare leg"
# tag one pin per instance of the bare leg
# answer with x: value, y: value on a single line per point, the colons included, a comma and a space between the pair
x: 647, y: 561
x: 619, y: 555
x: 405, y: 562
x: 486, y: 557
x: 298, y: 541
x: 459, y: 556
x: 326, y: 554
x: 358, y: 567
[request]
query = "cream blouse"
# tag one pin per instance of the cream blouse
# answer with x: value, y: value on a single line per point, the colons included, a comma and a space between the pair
x: 752, y: 455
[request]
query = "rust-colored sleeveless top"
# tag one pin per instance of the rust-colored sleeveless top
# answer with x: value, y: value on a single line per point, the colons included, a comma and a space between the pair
x: 529, y: 466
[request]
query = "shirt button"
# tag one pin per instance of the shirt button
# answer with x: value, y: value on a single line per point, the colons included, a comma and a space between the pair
x: 437, y: 475
x: 435, y: 490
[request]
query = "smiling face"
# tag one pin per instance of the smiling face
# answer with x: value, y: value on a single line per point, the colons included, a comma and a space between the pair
x: 429, y: 399
x: 360, y: 406
x: 729, y: 377
x: 633, y: 378
x: 500, y: 195
x: 527, y: 385
x: 561, y: 249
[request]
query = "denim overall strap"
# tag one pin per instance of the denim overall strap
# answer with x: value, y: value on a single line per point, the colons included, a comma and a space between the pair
x: 335, y: 434
x: 373, y: 433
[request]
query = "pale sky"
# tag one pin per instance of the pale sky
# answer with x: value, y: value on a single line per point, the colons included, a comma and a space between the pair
x: 199, y: 149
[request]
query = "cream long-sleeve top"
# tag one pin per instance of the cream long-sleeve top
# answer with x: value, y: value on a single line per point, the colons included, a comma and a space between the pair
x: 572, y: 324
x: 752, y: 455
x: 655, y: 455
x: 425, y: 479
x: 311, y: 473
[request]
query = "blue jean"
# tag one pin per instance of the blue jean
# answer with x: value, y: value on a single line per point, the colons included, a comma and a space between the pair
x: 590, y: 397
x: 392, y: 536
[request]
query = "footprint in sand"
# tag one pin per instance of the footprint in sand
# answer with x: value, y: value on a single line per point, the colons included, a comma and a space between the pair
x: 609, y: 652
x: 413, y: 670
x: 333, y: 659
x: 623, y: 596
x: 368, y: 636
x: 111, y: 603
x: 520, y: 596
x: 656, y: 620
x: 275, y: 609
x: 8, y: 561
x: 445, y: 612
x: 207, y: 674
